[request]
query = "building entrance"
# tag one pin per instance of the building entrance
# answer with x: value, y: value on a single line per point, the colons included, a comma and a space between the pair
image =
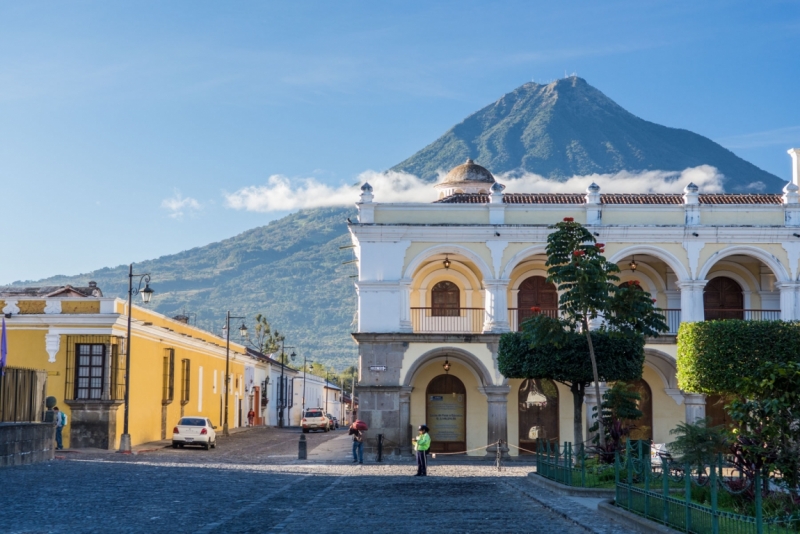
x: 538, y: 413
x: 446, y: 414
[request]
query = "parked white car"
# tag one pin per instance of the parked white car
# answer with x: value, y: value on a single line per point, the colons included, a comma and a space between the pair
x: 194, y: 431
x: 314, y: 419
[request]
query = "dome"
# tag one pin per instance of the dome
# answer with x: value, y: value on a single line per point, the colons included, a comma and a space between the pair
x: 468, y: 172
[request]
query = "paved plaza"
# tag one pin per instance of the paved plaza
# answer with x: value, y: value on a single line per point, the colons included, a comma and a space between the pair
x: 252, y: 484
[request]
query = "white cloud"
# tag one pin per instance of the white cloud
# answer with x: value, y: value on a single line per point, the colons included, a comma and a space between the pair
x: 177, y: 205
x: 281, y: 193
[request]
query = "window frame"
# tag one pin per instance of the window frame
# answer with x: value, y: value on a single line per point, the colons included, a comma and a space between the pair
x: 90, y: 376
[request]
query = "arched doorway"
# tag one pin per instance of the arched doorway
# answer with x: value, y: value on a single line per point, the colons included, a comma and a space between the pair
x: 536, y: 292
x: 644, y: 426
x: 538, y: 413
x: 446, y: 413
x: 445, y: 300
x: 723, y: 299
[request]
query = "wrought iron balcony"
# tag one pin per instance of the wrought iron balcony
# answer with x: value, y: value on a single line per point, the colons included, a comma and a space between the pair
x: 447, y: 320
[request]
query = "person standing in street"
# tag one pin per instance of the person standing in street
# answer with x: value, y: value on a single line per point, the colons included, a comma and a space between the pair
x: 358, y: 444
x: 421, y: 444
x: 251, y: 415
x: 61, y: 421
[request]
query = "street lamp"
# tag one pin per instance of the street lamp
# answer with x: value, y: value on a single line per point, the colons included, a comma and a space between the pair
x: 282, y: 401
x: 304, y: 383
x: 147, y: 294
x: 243, y: 333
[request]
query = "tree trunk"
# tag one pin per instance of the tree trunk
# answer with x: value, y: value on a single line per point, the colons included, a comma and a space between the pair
x: 578, y: 392
x: 596, y: 377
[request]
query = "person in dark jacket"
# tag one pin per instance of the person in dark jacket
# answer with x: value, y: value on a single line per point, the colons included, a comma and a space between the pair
x: 358, y: 444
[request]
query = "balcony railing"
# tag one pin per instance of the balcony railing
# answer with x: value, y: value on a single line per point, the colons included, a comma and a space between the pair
x: 672, y: 317
x: 747, y: 315
x: 517, y: 316
x: 447, y: 320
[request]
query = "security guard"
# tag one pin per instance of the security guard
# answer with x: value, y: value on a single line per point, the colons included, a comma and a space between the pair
x: 421, y: 444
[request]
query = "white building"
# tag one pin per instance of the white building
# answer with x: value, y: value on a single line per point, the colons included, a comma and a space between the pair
x: 439, y: 283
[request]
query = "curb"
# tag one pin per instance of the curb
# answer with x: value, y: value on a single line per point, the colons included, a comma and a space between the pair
x: 633, y: 521
x: 572, y: 491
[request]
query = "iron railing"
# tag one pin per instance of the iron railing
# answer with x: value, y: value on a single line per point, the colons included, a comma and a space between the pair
x: 447, y: 320
x: 517, y: 316
x: 747, y: 315
x: 572, y: 466
x: 22, y: 395
x: 687, y: 498
x: 672, y: 316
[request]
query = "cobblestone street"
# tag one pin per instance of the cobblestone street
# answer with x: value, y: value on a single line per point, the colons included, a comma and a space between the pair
x: 250, y: 485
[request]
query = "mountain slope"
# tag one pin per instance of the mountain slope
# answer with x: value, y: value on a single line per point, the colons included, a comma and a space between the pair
x: 570, y: 128
x: 289, y: 270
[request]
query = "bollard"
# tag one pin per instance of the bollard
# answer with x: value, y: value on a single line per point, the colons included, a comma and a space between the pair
x: 380, y: 448
x: 302, y: 448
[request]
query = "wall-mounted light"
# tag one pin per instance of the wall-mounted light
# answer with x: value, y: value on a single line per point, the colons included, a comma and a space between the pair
x: 633, y: 265
x: 497, y: 234
x: 695, y: 234
x: 446, y: 262
x: 446, y: 365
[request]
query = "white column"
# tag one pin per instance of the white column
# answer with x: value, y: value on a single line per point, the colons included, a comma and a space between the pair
x: 692, y: 309
x: 496, y: 306
x: 789, y: 299
x: 695, y: 405
x: 405, y: 306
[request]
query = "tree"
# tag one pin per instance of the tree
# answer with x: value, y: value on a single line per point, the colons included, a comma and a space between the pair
x: 264, y: 340
x: 546, y: 348
x: 698, y: 444
x: 586, y: 279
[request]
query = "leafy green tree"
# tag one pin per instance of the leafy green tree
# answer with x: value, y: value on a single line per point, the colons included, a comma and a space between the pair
x: 698, y: 443
x: 546, y: 348
x: 264, y: 340
x: 586, y: 279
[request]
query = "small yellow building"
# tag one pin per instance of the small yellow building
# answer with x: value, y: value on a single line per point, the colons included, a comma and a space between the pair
x: 78, y: 336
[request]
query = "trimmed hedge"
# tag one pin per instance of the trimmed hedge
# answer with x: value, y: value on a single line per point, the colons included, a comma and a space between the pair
x: 618, y: 357
x: 714, y: 355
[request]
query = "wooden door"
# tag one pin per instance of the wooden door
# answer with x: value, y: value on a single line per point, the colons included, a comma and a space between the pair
x: 536, y: 292
x: 445, y: 300
x: 446, y: 414
x: 723, y: 299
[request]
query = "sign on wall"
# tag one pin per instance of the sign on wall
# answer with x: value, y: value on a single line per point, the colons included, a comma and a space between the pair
x: 446, y: 417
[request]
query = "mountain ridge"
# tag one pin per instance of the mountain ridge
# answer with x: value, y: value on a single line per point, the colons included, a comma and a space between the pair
x: 569, y: 128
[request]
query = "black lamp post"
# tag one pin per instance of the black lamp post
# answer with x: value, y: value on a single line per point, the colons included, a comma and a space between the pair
x: 304, y: 383
x: 282, y: 400
x: 147, y: 294
x: 243, y: 333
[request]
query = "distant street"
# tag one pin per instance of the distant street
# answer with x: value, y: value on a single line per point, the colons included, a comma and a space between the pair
x: 253, y: 483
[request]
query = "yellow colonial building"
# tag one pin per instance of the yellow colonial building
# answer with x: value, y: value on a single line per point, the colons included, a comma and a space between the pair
x: 78, y: 336
x: 439, y: 283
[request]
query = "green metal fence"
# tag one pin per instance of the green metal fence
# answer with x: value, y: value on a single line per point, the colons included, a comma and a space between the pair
x: 571, y: 466
x: 662, y: 491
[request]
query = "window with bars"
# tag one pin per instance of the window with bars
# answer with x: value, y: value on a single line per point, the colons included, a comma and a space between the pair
x: 168, y: 379
x: 90, y: 371
x: 186, y: 380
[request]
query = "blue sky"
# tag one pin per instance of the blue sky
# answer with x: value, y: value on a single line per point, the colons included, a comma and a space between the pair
x: 123, y: 126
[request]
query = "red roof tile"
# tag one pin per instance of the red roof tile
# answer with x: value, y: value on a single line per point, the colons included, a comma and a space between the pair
x: 613, y: 198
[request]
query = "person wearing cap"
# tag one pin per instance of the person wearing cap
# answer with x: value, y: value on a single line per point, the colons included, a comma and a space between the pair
x: 421, y: 444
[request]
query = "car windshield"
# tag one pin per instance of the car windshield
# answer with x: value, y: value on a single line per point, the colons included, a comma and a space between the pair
x: 192, y: 421
x: 313, y: 414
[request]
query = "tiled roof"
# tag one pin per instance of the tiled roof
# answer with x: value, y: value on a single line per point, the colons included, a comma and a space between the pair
x: 613, y: 198
x: 50, y: 291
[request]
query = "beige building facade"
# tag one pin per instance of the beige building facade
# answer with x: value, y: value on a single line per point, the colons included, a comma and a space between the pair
x: 439, y: 283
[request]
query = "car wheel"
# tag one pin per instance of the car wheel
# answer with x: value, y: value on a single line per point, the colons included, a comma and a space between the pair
x: 180, y: 445
x: 214, y: 444
x: 174, y: 445
x: 207, y: 445
x: 305, y: 431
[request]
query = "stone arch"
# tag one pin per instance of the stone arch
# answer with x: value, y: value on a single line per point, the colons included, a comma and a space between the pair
x: 472, y: 363
x: 769, y: 260
x: 666, y: 368
x: 667, y: 257
x: 652, y: 286
x: 467, y: 285
x: 525, y: 275
x: 521, y: 256
x: 423, y: 256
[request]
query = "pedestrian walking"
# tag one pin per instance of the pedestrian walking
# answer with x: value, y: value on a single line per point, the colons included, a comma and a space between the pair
x: 422, y: 444
x: 251, y: 415
x: 358, y: 444
x: 61, y: 421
